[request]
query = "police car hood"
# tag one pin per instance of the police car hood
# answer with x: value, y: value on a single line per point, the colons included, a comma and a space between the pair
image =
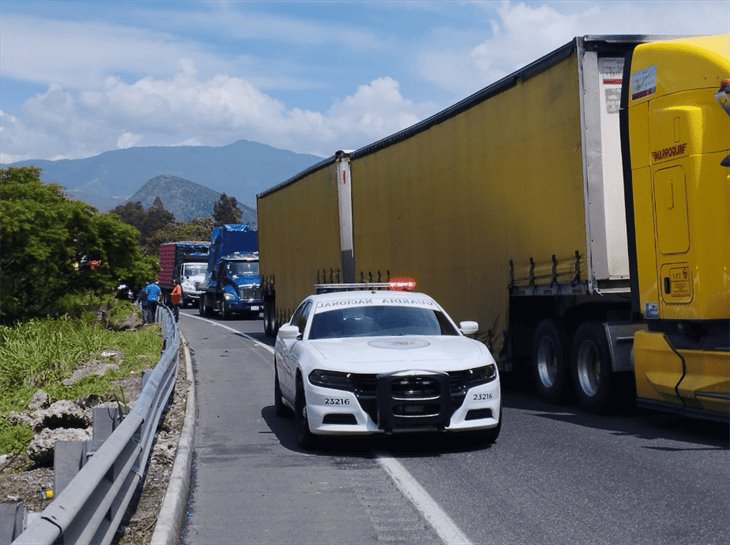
x: 384, y: 354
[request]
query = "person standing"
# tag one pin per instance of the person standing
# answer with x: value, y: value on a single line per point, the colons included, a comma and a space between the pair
x: 142, y: 300
x: 153, y: 298
x: 176, y: 299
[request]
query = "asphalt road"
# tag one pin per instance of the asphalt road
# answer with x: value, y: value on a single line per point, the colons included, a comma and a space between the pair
x: 555, y: 476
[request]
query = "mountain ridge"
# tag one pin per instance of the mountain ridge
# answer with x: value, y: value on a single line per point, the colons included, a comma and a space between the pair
x: 241, y: 169
x: 185, y: 199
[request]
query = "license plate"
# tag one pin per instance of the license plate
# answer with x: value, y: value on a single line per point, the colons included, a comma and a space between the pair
x: 256, y: 308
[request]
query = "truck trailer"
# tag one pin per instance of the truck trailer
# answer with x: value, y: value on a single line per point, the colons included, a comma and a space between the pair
x: 186, y: 262
x: 232, y: 283
x: 579, y: 207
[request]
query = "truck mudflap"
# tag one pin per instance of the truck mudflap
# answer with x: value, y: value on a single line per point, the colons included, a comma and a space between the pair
x: 694, y: 383
x: 409, y: 400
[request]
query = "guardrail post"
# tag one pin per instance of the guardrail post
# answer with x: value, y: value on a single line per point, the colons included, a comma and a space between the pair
x: 68, y: 459
x: 12, y: 515
x: 105, y: 421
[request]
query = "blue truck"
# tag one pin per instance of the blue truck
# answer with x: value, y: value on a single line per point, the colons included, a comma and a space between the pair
x: 232, y: 283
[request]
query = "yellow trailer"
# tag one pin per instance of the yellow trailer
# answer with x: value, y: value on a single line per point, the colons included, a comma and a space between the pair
x: 519, y: 207
x: 299, y: 242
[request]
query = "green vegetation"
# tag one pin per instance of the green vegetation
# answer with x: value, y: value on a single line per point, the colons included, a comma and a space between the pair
x: 60, y: 265
x: 41, y: 353
x: 55, y: 249
x: 226, y: 210
x: 156, y: 225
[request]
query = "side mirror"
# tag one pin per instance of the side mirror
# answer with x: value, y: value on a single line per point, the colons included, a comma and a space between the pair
x: 469, y: 328
x: 288, y: 332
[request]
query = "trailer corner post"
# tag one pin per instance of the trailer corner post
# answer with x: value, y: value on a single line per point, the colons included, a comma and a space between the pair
x: 344, y: 198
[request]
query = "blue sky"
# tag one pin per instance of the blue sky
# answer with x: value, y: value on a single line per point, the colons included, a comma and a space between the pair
x: 78, y: 78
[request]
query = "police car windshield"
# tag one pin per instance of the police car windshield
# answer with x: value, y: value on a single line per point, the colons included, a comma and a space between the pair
x: 379, y: 321
x: 243, y: 268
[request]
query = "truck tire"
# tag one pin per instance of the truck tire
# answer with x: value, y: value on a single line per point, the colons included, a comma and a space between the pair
x: 593, y: 378
x: 267, y: 330
x: 550, y: 363
x: 203, y: 309
x: 269, y: 319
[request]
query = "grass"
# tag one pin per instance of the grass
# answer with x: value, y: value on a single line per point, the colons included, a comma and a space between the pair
x: 40, y: 354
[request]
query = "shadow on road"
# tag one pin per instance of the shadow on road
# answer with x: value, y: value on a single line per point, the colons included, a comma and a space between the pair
x: 407, y: 445
x: 641, y: 423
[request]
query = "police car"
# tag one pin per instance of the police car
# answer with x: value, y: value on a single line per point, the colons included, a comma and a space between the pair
x: 368, y: 361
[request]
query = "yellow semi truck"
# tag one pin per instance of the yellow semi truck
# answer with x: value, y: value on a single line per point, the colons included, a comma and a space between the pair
x: 579, y: 208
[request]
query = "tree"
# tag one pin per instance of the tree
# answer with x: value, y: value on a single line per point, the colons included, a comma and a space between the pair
x: 157, y: 218
x: 197, y: 229
x: 53, y: 247
x: 151, y: 223
x: 226, y: 210
x: 132, y: 213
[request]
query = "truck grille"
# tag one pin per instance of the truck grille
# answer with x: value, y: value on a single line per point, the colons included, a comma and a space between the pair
x: 252, y: 293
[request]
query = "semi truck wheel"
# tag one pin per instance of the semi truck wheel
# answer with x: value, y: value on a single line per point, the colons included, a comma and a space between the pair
x: 269, y: 319
x: 550, y: 363
x: 203, y: 309
x: 267, y: 328
x: 225, y: 311
x: 592, y: 375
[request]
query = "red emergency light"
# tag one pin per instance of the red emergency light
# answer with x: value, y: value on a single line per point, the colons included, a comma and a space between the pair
x: 401, y: 283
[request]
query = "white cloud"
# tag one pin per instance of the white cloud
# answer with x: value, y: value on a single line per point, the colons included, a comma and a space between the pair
x: 521, y: 32
x: 119, y: 85
x: 189, y: 109
x: 128, y: 140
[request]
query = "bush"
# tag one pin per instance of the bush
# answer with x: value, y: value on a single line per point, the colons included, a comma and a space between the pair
x: 41, y: 353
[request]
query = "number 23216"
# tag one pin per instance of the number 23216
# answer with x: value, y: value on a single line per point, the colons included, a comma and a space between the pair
x: 336, y: 401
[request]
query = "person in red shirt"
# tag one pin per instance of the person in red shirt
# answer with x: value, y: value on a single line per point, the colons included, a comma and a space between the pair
x: 176, y: 299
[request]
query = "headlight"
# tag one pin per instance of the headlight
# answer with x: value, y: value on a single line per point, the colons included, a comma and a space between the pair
x: 331, y: 379
x: 480, y: 375
x: 228, y: 296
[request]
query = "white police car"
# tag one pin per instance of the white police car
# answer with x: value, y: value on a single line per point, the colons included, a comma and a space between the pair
x: 376, y: 361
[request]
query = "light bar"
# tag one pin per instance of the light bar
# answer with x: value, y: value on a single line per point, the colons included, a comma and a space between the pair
x: 402, y: 283
x: 395, y: 284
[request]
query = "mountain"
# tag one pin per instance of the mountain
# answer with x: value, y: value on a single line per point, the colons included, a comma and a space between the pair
x: 185, y: 199
x: 242, y: 169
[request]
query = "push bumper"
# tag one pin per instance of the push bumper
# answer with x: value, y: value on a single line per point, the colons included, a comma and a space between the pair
x: 389, y: 410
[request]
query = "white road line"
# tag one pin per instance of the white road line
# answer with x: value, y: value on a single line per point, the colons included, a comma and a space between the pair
x: 442, y: 524
x: 249, y: 337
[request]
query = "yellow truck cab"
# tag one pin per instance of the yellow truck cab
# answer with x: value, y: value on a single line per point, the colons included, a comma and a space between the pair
x: 678, y: 144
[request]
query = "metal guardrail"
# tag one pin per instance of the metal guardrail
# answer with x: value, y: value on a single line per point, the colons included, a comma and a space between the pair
x: 90, y: 508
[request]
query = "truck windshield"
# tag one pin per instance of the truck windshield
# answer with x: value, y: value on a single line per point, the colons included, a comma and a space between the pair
x: 379, y: 321
x: 195, y: 269
x: 242, y: 268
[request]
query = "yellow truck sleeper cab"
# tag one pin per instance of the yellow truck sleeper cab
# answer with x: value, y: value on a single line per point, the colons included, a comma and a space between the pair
x: 679, y: 132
